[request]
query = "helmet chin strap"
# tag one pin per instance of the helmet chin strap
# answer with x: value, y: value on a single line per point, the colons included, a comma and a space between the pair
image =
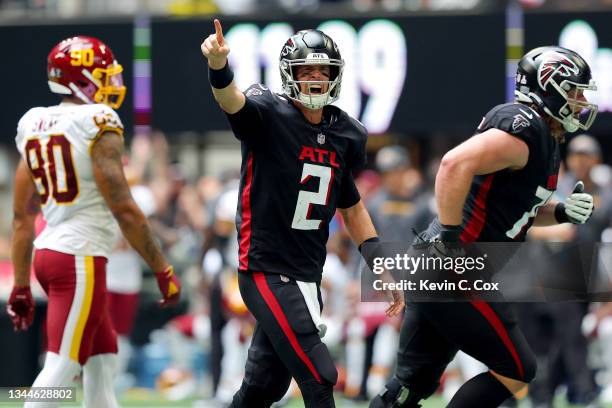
x: 538, y: 101
x: 540, y: 104
x: 77, y: 92
x: 567, y: 122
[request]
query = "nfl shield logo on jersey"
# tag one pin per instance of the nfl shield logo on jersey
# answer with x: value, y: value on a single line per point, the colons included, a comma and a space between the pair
x: 321, y: 138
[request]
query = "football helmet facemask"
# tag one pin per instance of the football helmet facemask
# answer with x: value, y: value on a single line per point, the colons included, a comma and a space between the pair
x: 311, y: 47
x: 558, y: 81
x: 86, y: 68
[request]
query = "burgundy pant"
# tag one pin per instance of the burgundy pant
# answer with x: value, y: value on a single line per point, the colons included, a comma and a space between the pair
x: 78, y: 322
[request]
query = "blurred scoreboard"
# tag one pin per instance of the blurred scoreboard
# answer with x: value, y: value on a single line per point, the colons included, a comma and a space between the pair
x: 401, y: 75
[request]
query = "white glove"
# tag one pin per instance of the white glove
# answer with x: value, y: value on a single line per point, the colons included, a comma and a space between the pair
x: 579, y: 205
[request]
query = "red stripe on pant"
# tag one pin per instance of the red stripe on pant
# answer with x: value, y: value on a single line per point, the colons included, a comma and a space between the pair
x: 277, y: 311
x: 245, y: 222
x: 489, y: 314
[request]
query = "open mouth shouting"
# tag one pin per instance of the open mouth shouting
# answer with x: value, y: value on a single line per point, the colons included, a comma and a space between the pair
x: 315, y: 89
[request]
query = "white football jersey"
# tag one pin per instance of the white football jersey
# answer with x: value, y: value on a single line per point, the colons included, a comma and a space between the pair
x: 55, y: 143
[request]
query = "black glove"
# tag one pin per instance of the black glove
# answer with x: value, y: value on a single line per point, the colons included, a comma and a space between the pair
x: 447, y: 243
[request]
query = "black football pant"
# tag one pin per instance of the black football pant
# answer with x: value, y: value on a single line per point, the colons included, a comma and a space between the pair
x: 217, y: 323
x: 285, y: 344
x: 433, y: 332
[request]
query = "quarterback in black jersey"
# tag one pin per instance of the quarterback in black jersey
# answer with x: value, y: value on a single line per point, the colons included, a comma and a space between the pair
x: 298, y: 158
x: 493, y: 188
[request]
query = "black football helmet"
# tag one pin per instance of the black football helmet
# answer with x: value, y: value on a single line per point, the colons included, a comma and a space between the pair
x: 555, y: 79
x: 311, y: 47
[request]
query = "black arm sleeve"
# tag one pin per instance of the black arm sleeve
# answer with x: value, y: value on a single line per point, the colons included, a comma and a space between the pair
x: 349, y: 195
x: 360, y: 157
x: 249, y: 122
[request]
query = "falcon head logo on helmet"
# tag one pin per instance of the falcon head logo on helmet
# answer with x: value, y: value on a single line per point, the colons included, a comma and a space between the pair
x: 555, y: 64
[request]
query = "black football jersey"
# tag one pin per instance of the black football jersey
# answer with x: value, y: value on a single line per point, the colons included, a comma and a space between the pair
x: 501, y: 206
x: 293, y: 177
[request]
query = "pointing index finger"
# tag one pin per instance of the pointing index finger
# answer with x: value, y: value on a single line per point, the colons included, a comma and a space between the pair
x: 219, y: 32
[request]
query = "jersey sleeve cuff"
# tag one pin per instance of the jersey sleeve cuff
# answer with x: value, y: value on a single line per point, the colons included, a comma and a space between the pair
x: 103, y: 130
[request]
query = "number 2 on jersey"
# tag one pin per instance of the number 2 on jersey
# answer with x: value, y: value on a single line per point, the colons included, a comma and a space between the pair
x: 44, y: 167
x: 307, y: 198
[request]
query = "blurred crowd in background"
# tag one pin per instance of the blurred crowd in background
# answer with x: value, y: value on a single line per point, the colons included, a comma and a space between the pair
x: 199, y: 348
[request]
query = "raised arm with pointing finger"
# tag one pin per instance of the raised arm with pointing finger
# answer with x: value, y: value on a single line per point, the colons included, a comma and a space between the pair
x: 226, y: 93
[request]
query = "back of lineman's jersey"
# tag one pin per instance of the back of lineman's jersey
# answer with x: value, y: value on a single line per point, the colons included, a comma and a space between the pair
x: 55, y: 142
x: 501, y: 206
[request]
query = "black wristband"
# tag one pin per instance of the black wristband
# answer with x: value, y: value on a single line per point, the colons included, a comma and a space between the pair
x: 450, y: 233
x: 373, y: 239
x: 220, y: 78
x: 560, y: 214
x: 371, y: 251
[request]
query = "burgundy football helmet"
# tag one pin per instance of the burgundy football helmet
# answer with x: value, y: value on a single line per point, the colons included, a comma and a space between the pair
x: 86, y: 68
